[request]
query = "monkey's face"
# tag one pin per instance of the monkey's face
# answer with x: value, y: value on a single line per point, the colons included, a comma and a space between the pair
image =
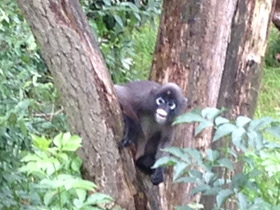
x: 166, y: 106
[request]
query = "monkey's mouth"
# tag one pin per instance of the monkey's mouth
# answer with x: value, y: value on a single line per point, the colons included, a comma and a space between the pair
x: 161, y: 116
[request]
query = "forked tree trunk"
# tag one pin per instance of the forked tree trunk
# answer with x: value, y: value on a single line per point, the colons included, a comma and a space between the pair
x: 81, y: 76
x: 193, y: 50
x: 214, y: 51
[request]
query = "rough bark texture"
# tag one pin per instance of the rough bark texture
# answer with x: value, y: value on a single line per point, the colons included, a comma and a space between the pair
x: 243, y: 66
x: 276, y: 15
x: 79, y: 72
x: 213, y: 50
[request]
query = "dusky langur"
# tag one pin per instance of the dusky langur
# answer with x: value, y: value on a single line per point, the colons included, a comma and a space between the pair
x: 148, y: 110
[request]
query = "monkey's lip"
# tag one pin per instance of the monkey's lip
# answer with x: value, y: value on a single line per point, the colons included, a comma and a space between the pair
x: 161, y: 113
x: 161, y: 116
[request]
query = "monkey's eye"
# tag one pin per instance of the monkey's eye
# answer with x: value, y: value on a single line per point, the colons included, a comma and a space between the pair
x: 172, y: 105
x: 160, y: 101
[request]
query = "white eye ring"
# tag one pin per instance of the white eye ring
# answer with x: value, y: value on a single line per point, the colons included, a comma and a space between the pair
x: 160, y: 101
x: 172, y: 105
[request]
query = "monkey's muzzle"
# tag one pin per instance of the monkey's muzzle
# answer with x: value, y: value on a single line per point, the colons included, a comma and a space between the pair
x: 161, y: 115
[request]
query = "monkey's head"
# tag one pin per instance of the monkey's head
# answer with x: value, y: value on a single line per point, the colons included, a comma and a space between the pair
x: 169, y: 102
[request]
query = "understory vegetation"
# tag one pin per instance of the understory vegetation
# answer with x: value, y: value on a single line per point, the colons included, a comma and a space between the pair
x: 33, y: 128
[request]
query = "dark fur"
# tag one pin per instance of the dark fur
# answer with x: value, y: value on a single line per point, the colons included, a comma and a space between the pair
x: 138, y: 104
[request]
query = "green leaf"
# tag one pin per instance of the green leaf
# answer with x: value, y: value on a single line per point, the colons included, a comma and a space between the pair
x: 210, y: 113
x: 71, y: 144
x: 239, y: 181
x: 165, y: 161
x: 223, y: 130
x: 22, y: 106
x: 178, y: 152
x: 220, y: 120
x: 200, y: 188
x: 64, y: 197
x: 202, y: 125
x: 58, y: 140
x: 12, y: 119
x: 196, y: 174
x: 223, y: 195
x: 237, y: 138
x: 82, y: 194
x: 241, y: 121
x: 195, y: 154
x: 212, y: 155
x: 225, y: 162
x: 183, y: 208
x: 40, y: 142
x: 189, y: 117
x: 274, y: 130
x: 49, y: 196
x: 255, y: 140
x: 119, y: 20
x: 212, y: 191
x: 23, y: 128
x: 98, y: 198
x: 242, y: 201
x: 78, y: 204
x: 76, y: 164
x: 179, y: 169
x: 208, y: 177
x: 71, y: 182
x: 260, y: 123
x: 107, y: 2
x: 186, y: 180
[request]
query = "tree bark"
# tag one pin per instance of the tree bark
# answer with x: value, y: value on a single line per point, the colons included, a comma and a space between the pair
x: 276, y: 15
x: 214, y: 51
x: 81, y: 76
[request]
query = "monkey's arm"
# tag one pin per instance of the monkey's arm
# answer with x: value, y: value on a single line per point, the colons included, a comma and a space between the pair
x: 158, y: 174
x: 132, y: 131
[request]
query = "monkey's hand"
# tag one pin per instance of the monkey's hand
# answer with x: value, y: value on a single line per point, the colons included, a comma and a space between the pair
x: 157, y: 176
x: 126, y: 141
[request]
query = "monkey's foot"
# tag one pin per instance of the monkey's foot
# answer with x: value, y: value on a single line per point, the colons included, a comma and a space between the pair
x: 157, y: 176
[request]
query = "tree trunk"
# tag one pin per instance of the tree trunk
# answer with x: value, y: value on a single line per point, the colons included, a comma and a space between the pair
x: 81, y: 76
x: 214, y: 51
x: 276, y: 15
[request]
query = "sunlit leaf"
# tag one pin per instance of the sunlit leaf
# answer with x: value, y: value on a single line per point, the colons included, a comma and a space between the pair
x: 202, y: 125
x: 210, y: 113
x: 241, y: 121
x: 223, y: 195
x: 179, y: 169
x: 212, y: 155
x: 223, y: 130
x: 225, y: 162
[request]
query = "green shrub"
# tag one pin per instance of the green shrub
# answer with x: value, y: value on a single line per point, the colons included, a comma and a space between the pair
x: 53, y: 170
x: 241, y: 138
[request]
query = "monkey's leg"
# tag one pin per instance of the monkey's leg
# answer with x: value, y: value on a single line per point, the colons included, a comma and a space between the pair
x: 145, y: 162
x: 132, y: 130
x: 157, y: 176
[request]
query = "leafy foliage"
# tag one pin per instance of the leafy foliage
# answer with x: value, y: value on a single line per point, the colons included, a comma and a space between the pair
x: 116, y: 24
x: 54, y: 171
x: 273, y: 48
x: 29, y: 101
x: 241, y: 139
